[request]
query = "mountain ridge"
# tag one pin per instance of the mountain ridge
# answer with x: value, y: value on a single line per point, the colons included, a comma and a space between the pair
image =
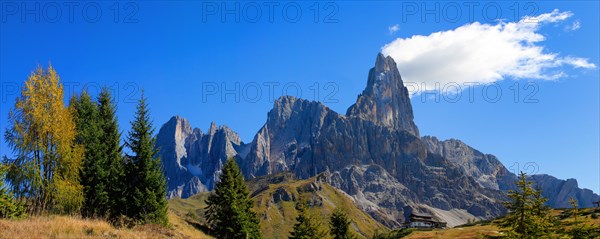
x: 374, y: 153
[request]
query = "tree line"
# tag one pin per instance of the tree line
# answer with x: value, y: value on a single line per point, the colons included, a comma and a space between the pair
x: 68, y: 159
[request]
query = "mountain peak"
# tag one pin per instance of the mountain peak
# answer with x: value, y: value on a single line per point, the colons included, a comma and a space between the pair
x: 176, y: 125
x: 383, y: 63
x: 286, y: 106
x: 385, y: 100
x: 213, y: 128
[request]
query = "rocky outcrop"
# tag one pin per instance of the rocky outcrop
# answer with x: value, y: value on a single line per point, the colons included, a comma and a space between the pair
x: 491, y: 173
x: 385, y: 101
x: 385, y: 169
x: 559, y: 191
x: 286, y: 137
x: 486, y: 169
x: 192, y: 160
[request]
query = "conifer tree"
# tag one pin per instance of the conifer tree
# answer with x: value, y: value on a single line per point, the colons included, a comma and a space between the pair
x: 112, y: 151
x: 93, y: 172
x: 147, y: 192
x: 543, y: 225
x: 41, y: 133
x: 580, y: 229
x: 307, y: 226
x: 9, y: 207
x: 229, y: 208
x: 339, y: 224
x: 527, y: 216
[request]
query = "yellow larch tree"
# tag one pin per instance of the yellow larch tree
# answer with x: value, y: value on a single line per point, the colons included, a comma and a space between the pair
x: 44, y: 171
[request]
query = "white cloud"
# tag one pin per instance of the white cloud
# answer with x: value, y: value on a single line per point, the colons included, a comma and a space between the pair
x: 576, y: 25
x: 393, y: 29
x: 482, y: 53
x: 554, y: 16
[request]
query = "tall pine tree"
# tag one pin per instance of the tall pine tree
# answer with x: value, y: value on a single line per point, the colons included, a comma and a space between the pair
x: 339, y: 224
x: 112, y: 151
x: 93, y: 172
x: 147, y: 192
x: 229, y: 208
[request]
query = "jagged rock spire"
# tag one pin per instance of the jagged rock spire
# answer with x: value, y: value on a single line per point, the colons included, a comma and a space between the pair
x: 385, y: 100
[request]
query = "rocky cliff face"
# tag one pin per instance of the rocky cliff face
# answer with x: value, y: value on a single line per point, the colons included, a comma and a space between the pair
x: 486, y: 169
x: 490, y: 173
x: 388, y: 171
x: 193, y: 159
x: 373, y: 153
x: 286, y: 137
x: 559, y: 191
x: 385, y: 101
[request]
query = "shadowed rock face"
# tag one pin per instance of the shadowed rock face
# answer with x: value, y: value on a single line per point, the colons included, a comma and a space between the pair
x: 192, y: 159
x: 373, y: 153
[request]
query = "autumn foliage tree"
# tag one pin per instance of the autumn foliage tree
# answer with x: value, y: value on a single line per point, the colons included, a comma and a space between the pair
x: 44, y: 171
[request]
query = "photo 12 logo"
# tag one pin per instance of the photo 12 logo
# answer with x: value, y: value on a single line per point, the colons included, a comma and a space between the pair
x: 452, y: 92
x: 252, y: 92
x: 438, y: 11
x: 69, y: 12
x: 128, y: 92
x: 253, y: 12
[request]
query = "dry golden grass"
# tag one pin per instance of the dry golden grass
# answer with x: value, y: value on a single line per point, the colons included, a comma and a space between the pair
x: 74, y: 227
x: 184, y: 227
x: 459, y: 233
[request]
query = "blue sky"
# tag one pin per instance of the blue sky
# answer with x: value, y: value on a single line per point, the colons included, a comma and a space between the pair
x: 186, y: 56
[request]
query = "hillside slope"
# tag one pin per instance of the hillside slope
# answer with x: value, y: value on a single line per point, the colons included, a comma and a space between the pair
x: 275, y: 198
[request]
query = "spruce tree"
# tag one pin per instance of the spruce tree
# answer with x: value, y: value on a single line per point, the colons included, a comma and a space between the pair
x: 93, y: 172
x: 112, y: 151
x: 229, y: 208
x: 307, y: 226
x: 146, y: 194
x: 340, y: 225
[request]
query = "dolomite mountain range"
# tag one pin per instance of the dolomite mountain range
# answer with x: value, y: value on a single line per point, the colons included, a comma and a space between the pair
x: 373, y: 153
